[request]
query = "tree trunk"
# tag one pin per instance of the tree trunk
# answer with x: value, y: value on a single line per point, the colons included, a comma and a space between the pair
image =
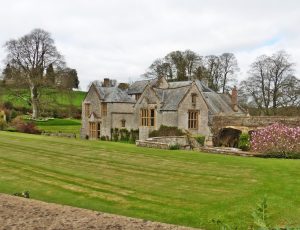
x: 35, y: 102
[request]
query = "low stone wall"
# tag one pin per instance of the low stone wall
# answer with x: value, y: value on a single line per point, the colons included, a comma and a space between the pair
x: 69, y: 135
x: 164, y: 142
x: 228, y: 151
x: 152, y: 144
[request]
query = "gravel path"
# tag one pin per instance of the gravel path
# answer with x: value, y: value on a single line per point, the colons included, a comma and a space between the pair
x: 20, y: 213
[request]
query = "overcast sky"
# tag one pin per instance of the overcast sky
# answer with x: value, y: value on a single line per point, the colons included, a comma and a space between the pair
x: 121, y: 38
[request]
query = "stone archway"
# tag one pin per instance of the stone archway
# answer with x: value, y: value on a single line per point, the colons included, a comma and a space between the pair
x: 227, y: 137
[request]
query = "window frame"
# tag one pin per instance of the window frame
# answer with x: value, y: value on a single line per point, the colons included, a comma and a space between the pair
x: 193, y: 119
x: 147, y: 117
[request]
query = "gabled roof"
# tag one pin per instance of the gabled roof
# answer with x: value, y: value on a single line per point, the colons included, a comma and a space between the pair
x: 217, y: 103
x: 171, y: 97
x: 114, y: 94
x: 139, y: 86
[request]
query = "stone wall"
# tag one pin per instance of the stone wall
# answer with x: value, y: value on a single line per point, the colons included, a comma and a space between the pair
x: 253, y: 121
x: 92, y: 98
x: 247, y: 123
x: 164, y: 142
x: 200, y: 106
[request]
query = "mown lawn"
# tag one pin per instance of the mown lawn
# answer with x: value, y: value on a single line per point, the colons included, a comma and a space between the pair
x: 179, y: 187
x: 60, y: 125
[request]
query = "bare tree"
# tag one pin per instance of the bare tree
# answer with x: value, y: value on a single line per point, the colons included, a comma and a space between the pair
x: 228, y: 68
x: 31, y: 55
x: 271, y: 83
x: 213, y: 66
x: 176, y: 65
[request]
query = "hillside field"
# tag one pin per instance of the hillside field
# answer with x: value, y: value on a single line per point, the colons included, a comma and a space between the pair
x: 50, y: 97
x: 179, y: 187
x: 60, y: 125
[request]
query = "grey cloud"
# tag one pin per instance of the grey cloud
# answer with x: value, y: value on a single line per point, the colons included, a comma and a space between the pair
x: 121, y: 38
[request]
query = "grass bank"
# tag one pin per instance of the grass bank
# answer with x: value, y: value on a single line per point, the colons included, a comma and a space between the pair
x: 178, y: 187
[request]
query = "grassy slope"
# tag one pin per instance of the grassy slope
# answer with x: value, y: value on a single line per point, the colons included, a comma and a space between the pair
x: 60, y: 125
x: 50, y: 97
x: 179, y: 187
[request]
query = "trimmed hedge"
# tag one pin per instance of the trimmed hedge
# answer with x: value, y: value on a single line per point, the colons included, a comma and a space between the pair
x: 164, y: 131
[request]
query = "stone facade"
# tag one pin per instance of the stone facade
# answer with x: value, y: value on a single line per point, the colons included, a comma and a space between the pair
x: 148, y: 104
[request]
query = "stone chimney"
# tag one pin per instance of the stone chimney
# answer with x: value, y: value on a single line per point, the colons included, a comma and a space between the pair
x: 106, y: 82
x: 234, y: 99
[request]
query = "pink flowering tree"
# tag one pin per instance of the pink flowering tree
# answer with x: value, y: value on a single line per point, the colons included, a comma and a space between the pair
x: 277, y: 139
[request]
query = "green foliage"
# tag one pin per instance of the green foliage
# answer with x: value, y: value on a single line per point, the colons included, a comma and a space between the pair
x: 124, y: 135
x: 260, y: 219
x: 200, y: 139
x: 115, y: 134
x: 134, y: 135
x: 2, y: 120
x: 104, y: 138
x: 244, y: 142
x: 8, y: 105
x: 174, y: 147
x: 24, y: 194
x: 223, y: 226
x: 54, y: 103
x: 164, y: 131
x: 260, y: 215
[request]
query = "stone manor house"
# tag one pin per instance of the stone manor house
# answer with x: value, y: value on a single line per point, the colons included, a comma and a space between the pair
x: 148, y: 104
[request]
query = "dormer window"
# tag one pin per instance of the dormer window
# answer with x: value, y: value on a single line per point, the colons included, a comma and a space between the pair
x: 194, y: 99
x: 87, y: 109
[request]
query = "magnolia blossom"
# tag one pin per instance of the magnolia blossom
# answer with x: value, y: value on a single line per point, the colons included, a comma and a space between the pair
x: 276, y: 138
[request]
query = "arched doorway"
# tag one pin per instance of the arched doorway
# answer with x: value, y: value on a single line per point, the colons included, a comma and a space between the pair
x: 227, y: 137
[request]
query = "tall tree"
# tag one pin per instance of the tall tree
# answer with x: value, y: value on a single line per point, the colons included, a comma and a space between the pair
x: 32, y: 54
x: 213, y: 66
x: 67, y: 79
x: 228, y: 68
x: 50, y: 75
x: 271, y: 83
x: 176, y: 65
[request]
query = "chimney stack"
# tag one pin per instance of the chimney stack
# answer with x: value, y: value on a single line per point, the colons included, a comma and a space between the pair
x: 234, y: 99
x: 106, y: 82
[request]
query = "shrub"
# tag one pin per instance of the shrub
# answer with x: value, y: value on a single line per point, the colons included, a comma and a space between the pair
x: 134, y: 135
x: 8, y: 105
x: 244, y: 142
x: 103, y: 138
x: 200, y: 139
x: 115, y: 134
x: 24, y: 194
x: 277, y: 140
x: 25, y: 127
x: 174, y: 147
x: 125, y: 135
x: 166, y: 131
